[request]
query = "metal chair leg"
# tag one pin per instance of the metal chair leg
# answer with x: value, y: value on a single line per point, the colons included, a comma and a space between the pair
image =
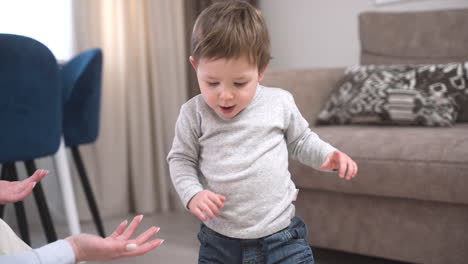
x: 19, y: 206
x: 88, y: 190
x: 41, y: 202
x: 3, y: 177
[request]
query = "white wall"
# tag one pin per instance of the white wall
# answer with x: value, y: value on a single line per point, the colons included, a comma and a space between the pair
x: 324, y: 33
x: 47, y: 21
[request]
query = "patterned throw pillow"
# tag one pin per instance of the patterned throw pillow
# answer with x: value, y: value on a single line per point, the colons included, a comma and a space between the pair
x: 429, y: 95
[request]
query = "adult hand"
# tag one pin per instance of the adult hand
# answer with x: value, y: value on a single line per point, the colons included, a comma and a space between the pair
x: 11, y: 192
x: 338, y: 160
x: 118, y: 245
x: 206, y: 203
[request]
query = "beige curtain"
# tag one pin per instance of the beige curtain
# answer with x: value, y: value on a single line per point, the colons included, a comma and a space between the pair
x: 144, y: 84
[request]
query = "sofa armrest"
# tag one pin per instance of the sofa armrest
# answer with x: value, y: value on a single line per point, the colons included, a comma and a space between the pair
x: 310, y: 87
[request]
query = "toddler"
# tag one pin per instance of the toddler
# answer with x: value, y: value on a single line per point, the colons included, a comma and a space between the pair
x: 229, y: 158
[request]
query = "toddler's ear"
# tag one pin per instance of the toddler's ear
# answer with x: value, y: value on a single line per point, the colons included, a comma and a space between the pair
x: 193, y: 62
x: 261, y: 74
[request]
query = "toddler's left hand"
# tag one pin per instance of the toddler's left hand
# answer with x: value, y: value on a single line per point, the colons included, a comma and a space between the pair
x: 338, y: 160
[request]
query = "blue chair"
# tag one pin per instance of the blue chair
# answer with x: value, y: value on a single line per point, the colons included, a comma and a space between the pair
x: 30, y: 116
x: 82, y: 93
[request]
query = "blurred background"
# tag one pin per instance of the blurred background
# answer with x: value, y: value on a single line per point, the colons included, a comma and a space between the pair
x: 146, y: 78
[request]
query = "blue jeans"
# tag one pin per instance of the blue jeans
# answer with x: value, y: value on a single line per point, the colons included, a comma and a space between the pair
x: 288, y: 246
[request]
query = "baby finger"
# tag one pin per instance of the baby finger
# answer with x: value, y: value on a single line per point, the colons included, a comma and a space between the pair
x: 206, y: 209
x: 355, y: 169
x: 216, y: 199
x: 198, y: 213
x: 213, y: 207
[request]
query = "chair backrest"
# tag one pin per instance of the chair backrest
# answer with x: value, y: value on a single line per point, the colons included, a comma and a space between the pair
x: 82, y: 94
x: 30, y: 99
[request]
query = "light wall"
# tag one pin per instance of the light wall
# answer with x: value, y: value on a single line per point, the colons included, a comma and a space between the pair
x: 324, y: 33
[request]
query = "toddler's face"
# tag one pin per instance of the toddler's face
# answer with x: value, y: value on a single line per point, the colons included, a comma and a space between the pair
x: 227, y: 86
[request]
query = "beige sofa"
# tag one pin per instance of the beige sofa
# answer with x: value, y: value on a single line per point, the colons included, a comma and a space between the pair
x: 409, y: 200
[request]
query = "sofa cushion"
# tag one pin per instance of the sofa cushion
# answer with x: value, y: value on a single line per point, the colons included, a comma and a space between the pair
x: 408, y: 162
x: 419, y: 37
x: 429, y: 95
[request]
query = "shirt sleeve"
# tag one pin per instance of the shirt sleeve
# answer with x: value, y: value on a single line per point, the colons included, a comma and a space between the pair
x: 303, y: 144
x: 183, y: 157
x: 58, y: 252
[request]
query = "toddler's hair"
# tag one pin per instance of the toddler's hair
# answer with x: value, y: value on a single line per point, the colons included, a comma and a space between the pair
x: 231, y: 29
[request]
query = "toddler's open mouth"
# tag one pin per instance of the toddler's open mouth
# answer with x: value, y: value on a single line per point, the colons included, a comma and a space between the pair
x: 227, y: 109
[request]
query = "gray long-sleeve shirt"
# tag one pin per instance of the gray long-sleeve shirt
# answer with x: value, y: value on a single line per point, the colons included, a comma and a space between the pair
x: 244, y: 158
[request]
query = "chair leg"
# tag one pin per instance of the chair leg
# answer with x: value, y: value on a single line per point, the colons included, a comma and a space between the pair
x: 66, y: 187
x: 3, y: 177
x: 41, y: 202
x: 88, y: 190
x: 19, y: 207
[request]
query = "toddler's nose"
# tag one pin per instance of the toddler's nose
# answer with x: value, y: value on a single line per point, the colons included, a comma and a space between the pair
x: 226, y: 94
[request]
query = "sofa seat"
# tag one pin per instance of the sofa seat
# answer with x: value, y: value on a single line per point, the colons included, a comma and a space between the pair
x: 424, y: 163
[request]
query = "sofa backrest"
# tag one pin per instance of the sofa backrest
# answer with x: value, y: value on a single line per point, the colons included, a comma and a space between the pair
x: 310, y: 87
x: 419, y: 37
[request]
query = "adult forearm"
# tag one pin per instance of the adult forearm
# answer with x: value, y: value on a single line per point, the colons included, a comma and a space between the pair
x: 59, y: 252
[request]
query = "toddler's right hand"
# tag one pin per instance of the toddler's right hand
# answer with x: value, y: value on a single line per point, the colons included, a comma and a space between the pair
x: 206, y: 203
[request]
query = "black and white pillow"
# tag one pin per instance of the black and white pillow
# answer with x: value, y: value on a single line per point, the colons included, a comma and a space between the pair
x: 429, y: 95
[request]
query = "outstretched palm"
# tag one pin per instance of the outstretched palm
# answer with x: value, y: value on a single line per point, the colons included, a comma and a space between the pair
x: 11, y: 192
x: 117, y: 245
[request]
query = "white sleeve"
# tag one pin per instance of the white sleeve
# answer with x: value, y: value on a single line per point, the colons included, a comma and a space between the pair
x: 58, y: 252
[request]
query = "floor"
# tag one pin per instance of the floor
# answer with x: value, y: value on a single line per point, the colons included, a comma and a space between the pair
x: 181, y: 245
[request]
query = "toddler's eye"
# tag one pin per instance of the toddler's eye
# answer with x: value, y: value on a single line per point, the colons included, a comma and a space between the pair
x: 237, y: 84
x: 213, y: 83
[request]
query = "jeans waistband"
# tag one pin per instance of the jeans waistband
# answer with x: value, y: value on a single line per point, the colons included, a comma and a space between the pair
x: 247, y: 241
